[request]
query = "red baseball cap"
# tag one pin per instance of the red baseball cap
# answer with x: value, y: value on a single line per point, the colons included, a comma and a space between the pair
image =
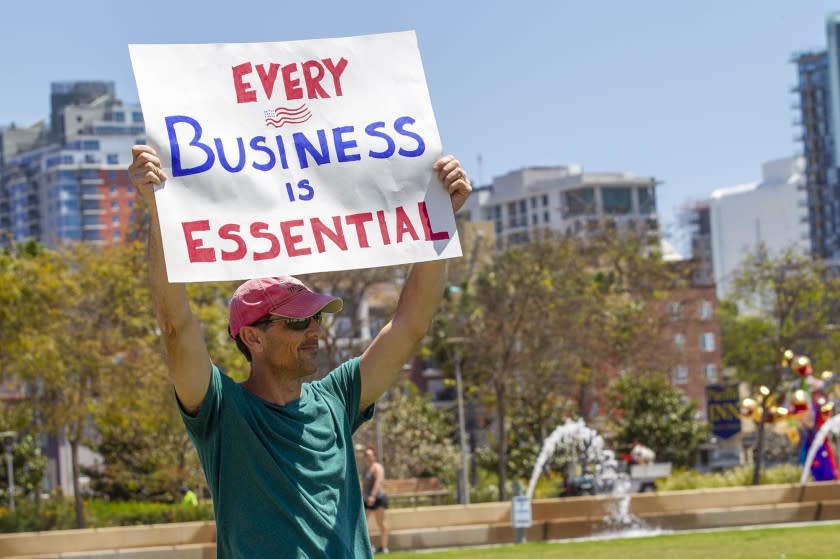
x: 282, y: 296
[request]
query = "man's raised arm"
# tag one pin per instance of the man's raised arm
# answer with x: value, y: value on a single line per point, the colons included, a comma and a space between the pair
x: 419, y: 300
x: 186, y: 351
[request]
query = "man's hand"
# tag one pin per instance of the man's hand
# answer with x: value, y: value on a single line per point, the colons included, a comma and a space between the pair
x: 145, y: 171
x: 454, y: 180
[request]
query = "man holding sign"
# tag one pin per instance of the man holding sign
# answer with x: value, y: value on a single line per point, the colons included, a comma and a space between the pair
x: 289, y: 158
x: 277, y: 452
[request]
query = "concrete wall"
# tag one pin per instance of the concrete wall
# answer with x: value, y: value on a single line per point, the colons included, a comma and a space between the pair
x: 459, y: 525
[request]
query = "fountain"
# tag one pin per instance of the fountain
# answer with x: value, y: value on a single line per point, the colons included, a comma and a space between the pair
x: 584, y: 444
x: 586, y: 447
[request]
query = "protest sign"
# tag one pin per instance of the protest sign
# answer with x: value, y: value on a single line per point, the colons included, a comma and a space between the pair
x: 294, y: 157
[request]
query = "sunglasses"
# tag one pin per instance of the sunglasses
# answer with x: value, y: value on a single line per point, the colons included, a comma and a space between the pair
x: 291, y: 323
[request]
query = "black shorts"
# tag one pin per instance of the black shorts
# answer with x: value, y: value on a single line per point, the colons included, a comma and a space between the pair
x: 379, y: 502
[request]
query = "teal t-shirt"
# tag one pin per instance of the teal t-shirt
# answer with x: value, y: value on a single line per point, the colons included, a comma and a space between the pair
x: 283, y: 478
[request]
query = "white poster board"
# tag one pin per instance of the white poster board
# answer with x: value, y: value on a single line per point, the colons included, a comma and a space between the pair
x: 521, y: 512
x: 294, y: 157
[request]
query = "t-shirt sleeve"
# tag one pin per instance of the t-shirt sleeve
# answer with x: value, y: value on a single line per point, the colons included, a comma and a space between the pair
x: 201, y: 426
x: 345, y: 384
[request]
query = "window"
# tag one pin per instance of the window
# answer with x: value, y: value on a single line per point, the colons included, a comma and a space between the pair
x: 617, y: 201
x: 546, y: 217
x: 710, y: 372
x: 679, y: 341
x: 680, y: 375
x: 517, y: 213
x: 580, y: 202
x: 647, y: 200
x: 112, y: 158
x: 704, y: 311
x: 545, y: 200
x: 675, y: 311
x: 533, y: 203
x: 707, y: 342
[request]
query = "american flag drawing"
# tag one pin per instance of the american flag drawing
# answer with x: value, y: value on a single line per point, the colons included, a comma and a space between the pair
x: 283, y: 115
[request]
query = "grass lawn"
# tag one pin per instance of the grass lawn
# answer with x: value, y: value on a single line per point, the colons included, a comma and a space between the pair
x: 806, y: 542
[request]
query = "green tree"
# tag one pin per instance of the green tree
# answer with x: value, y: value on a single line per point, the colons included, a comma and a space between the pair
x: 778, y: 303
x: 146, y: 451
x: 647, y: 409
x: 546, y: 325
x: 416, y: 436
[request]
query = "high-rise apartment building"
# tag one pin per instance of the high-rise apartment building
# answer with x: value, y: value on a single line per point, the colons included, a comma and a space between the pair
x: 818, y: 105
x: 67, y: 96
x: 71, y: 183
x: 564, y: 199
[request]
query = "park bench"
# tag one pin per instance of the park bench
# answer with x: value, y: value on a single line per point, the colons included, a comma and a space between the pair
x: 415, y: 489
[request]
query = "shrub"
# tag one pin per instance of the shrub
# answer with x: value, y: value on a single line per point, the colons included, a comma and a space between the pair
x: 741, y: 476
x: 58, y: 514
x: 131, y: 513
x: 50, y: 514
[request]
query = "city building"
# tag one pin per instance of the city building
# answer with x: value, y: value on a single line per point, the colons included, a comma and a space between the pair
x: 818, y: 105
x: 696, y: 219
x: 772, y: 213
x: 70, y: 183
x: 564, y: 199
x: 693, y: 324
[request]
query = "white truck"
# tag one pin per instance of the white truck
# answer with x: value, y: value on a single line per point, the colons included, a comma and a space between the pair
x: 643, y: 476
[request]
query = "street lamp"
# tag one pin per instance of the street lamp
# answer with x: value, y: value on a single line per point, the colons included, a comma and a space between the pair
x: 8, y: 442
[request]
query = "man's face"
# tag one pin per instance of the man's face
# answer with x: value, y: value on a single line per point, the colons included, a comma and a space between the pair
x: 292, y: 349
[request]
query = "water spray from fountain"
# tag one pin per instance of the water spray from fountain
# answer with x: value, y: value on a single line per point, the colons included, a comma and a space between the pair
x: 582, y: 444
x: 585, y: 446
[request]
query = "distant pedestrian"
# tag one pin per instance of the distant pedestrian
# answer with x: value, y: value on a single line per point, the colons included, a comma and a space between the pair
x: 376, y: 501
x: 190, y: 499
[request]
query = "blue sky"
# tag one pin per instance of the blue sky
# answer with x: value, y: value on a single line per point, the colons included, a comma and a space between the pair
x: 695, y: 94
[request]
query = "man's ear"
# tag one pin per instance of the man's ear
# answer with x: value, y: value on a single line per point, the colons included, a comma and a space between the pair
x: 251, y: 336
